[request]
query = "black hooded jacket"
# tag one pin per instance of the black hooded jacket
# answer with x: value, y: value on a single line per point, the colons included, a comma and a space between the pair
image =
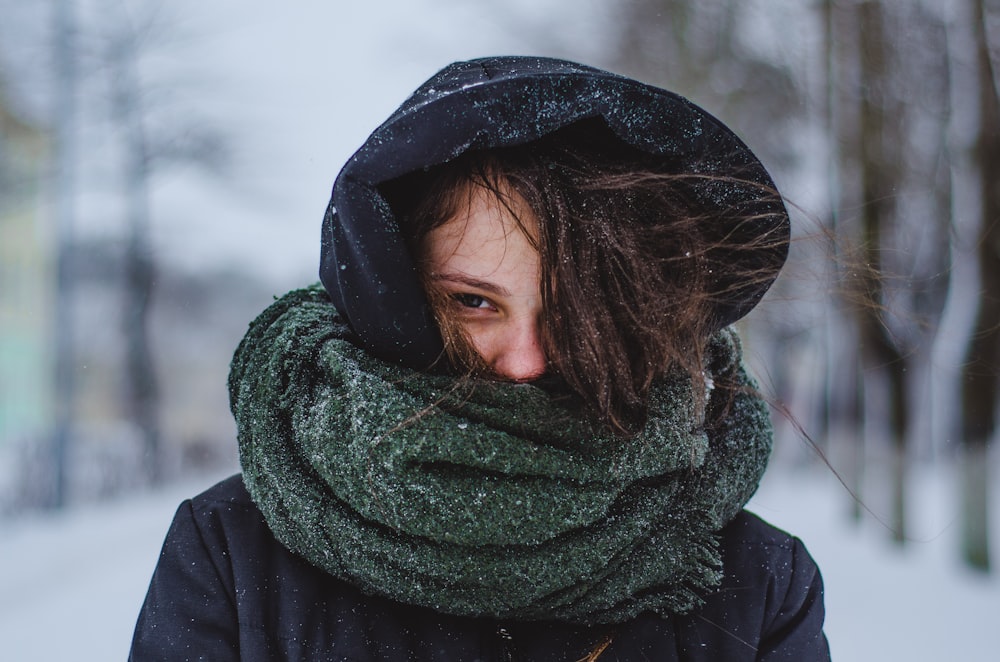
x: 224, y: 589
x: 508, y: 101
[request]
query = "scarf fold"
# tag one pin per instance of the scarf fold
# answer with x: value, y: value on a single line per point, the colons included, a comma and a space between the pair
x: 489, y: 499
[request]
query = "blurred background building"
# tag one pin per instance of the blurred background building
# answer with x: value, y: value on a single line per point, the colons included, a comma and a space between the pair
x: 26, y: 291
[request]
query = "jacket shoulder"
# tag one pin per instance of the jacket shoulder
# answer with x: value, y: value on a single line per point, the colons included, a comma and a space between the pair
x: 223, y: 495
x: 771, y: 597
x: 193, y: 583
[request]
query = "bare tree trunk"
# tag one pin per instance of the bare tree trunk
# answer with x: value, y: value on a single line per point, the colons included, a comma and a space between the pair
x: 64, y: 181
x: 856, y: 480
x: 982, y: 364
x: 142, y: 395
x: 877, y: 139
x: 844, y: 404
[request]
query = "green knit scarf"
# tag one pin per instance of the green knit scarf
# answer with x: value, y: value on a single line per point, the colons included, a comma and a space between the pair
x: 481, y: 498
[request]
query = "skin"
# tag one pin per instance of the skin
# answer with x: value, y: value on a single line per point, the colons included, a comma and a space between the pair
x: 486, y: 266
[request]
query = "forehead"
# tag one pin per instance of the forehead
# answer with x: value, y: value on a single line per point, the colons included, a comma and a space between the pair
x: 481, y: 219
x: 484, y: 236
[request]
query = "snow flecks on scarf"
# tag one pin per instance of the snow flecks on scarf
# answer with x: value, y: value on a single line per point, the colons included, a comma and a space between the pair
x: 481, y: 498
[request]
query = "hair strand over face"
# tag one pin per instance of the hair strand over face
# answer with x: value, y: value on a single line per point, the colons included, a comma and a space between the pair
x: 630, y: 276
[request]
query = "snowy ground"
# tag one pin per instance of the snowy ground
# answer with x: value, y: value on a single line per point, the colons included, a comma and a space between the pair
x: 916, y: 603
x: 70, y: 586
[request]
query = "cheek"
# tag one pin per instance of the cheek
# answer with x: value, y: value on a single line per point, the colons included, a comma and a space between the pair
x: 482, y: 339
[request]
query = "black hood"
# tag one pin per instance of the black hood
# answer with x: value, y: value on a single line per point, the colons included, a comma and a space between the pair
x: 505, y: 101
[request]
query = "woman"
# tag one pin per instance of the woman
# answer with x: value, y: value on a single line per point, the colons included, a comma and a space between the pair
x: 512, y: 423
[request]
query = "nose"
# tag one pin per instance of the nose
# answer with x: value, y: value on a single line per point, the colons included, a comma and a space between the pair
x: 520, y: 357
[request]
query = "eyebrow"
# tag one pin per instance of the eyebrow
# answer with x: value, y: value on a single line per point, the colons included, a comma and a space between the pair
x: 468, y: 281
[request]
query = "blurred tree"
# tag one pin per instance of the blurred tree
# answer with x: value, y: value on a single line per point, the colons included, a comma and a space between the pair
x: 878, y: 142
x: 891, y: 130
x: 127, y: 113
x: 842, y: 393
x: 981, y: 369
x: 127, y: 33
x: 64, y: 119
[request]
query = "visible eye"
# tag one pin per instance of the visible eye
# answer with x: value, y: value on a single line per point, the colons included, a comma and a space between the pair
x: 471, y: 300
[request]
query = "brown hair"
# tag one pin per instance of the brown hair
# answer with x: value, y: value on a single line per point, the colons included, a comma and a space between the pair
x: 627, y: 285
